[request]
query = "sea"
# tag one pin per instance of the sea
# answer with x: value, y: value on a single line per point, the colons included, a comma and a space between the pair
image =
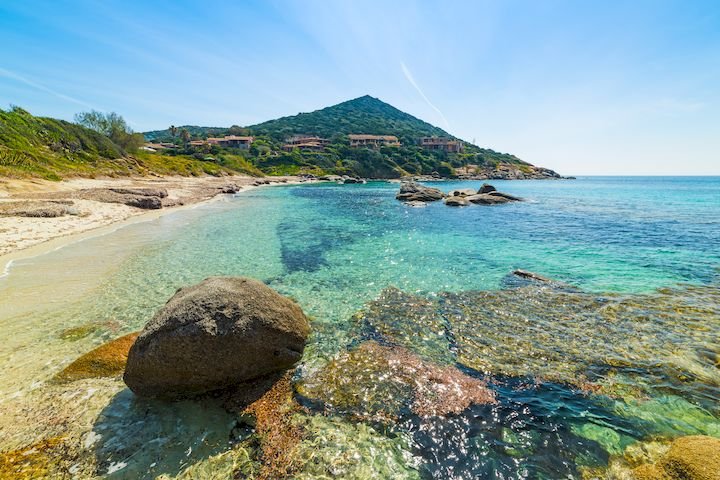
x: 591, y: 374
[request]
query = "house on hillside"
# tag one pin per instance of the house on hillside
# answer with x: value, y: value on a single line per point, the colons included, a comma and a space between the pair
x: 198, y: 143
x: 231, y: 141
x: 305, y: 142
x: 442, y: 143
x: 155, y: 147
x: 374, y: 141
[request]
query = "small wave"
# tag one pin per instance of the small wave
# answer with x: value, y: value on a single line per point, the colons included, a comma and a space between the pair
x: 6, y: 270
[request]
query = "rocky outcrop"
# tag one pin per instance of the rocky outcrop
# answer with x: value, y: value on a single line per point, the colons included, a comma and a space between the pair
x: 108, y: 195
x: 486, y: 188
x: 413, y: 191
x: 457, y: 201
x: 143, y: 192
x: 487, y: 199
x: 510, y: 172
x: 229, y: 188
x: 507, y: 196
x: 488, y: 195
x: 695, y: 457
x: 463, y: 192
x: 39, y: 209
x: 531, y: 276
x: 352, y: 180
x: 214, y: 335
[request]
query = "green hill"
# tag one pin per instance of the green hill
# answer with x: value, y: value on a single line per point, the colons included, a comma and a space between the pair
x: 363, y: 115
x: 48, y: 148
x: 52, y: 149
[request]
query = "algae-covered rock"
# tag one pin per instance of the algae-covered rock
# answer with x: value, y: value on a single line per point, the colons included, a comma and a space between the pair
x: 694, y: 457
x: 76, y: 333
x: 107, y: 360
x: 410, y: 321
x: 51, y: 458
x: 336, y: 448
x: 272, y: 420
x: 381, y: 382
x: 560, y: 335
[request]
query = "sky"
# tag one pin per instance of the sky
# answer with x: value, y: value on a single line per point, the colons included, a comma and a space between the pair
x: 585, y: 88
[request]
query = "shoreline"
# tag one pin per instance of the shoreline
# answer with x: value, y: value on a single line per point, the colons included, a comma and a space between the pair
x: 112, y: 216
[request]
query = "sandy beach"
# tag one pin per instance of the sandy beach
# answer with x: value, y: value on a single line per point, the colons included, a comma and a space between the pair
x: 65, y: 211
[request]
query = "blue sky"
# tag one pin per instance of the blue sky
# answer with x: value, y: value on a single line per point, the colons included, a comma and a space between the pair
x: 581, y: 87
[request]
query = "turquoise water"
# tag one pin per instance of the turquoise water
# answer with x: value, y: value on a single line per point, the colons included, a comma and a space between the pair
x: 337, y: 248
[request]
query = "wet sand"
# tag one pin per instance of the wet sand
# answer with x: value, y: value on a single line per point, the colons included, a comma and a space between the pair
x: 22, y: 236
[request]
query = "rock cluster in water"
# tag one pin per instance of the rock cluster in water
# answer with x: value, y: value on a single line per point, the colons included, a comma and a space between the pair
x: 413, y: 192
x: 211, y: 336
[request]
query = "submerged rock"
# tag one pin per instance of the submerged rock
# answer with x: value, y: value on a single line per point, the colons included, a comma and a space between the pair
x: 270, y: 416
x: 107, y: 360
x: 410, y: 321
x: 50, y: 458
x: 219, y: 333
x: 694, y: 457
x: 531, y: 276
x: 382, y: 382
x: 413, y: 191
x: 553, y: 332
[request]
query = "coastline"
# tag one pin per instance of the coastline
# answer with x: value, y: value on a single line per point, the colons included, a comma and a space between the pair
x: 27, y: 237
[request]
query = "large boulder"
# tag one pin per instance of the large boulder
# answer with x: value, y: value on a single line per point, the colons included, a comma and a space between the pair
x: 413, y: 191
x: 214, y: 335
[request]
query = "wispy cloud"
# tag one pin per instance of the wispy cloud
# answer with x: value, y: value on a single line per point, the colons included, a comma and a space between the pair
x: 43, y: 88
x: 412, y: 81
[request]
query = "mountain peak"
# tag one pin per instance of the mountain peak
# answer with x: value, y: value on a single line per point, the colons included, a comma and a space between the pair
x: 365, y: 114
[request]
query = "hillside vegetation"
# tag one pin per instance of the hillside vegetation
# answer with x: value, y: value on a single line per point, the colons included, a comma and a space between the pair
x: 52, y: 149
x: 364, y: 115
x: 44, y: 147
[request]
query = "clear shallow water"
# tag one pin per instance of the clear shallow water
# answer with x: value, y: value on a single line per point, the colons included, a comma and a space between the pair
x: 336, y: 248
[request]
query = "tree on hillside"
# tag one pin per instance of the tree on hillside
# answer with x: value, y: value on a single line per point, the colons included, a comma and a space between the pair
x: 113, y: 126
x: 185, y: 136
x: 173, y: 130
x: 237, y: 130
